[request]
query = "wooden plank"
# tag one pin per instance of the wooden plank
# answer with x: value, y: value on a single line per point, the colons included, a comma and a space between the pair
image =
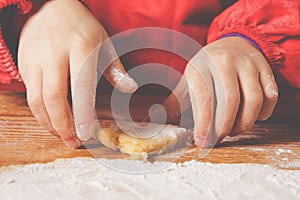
x: 23, y: 141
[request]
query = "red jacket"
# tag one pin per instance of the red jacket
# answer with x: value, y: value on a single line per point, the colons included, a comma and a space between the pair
x: 273, y: 24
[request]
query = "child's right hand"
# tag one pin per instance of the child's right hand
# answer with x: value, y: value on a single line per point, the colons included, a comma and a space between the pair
x: 54, y: 44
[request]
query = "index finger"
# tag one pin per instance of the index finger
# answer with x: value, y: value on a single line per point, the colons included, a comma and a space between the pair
x: 202, y: 99
x: 84, y: 83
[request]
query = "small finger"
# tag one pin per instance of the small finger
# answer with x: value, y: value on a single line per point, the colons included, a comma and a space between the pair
x: 270, y: 92
x: 34, y: 87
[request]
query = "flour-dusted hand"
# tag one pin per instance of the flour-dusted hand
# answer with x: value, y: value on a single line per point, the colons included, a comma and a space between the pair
x: 231, y: 86
x: 54, y: 44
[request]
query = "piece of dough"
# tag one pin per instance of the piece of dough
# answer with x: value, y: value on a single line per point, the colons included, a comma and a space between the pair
x: 143, y: 141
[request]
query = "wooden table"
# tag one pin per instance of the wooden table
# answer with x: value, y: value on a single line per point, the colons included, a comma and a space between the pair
x: 23, y: 141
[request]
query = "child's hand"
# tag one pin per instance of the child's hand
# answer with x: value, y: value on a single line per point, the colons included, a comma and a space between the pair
x: 54, y: 43
x: 245, y: 90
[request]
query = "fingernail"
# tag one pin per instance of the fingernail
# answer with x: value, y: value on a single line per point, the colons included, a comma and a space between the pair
x: 84, y: 132
x: 127, y: 84
x: 75, y: 143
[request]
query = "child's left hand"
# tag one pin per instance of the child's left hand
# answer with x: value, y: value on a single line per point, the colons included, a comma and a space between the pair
x: 244, y: 89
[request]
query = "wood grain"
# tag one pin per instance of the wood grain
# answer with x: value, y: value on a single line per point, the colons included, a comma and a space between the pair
x: 23, y: 141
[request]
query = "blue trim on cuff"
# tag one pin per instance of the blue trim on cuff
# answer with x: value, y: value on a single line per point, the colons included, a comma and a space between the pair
x: 245, y: 37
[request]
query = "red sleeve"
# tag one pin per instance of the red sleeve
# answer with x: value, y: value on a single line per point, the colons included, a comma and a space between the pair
x: 8, y: 70
x: 273, y: 24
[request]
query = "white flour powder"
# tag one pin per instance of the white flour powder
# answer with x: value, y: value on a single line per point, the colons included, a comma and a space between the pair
x: 86, y: 178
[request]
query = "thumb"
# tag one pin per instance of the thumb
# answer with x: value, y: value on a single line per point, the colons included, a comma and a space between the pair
x: 113, y: 70
x: 174, y: 105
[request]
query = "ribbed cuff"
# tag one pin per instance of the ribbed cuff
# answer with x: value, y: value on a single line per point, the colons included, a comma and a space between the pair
x: 244, y: 37
x: 269, y: 49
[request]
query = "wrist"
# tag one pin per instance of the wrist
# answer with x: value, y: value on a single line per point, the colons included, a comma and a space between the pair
x: 244, y: 37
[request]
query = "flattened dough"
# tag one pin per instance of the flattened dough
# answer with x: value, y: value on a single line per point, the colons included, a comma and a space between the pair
x: 143, y: 142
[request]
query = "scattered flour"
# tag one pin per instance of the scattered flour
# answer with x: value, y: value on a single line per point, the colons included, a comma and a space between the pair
x: 258, y: 149
x: 282, y: 151
x: 87, y: 178
x: 240, y: 137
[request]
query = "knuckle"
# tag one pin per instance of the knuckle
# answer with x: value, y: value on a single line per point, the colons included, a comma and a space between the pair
x: 224, y: 57
x: 249, y: 66
x: 271, y: 89
x: 54, y: 95
x: 232, y: 96
x: 34, y: 100
x: 221, y: 58
x: 272, y: 95
x: 254, y: 99
x: 88, y: 39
